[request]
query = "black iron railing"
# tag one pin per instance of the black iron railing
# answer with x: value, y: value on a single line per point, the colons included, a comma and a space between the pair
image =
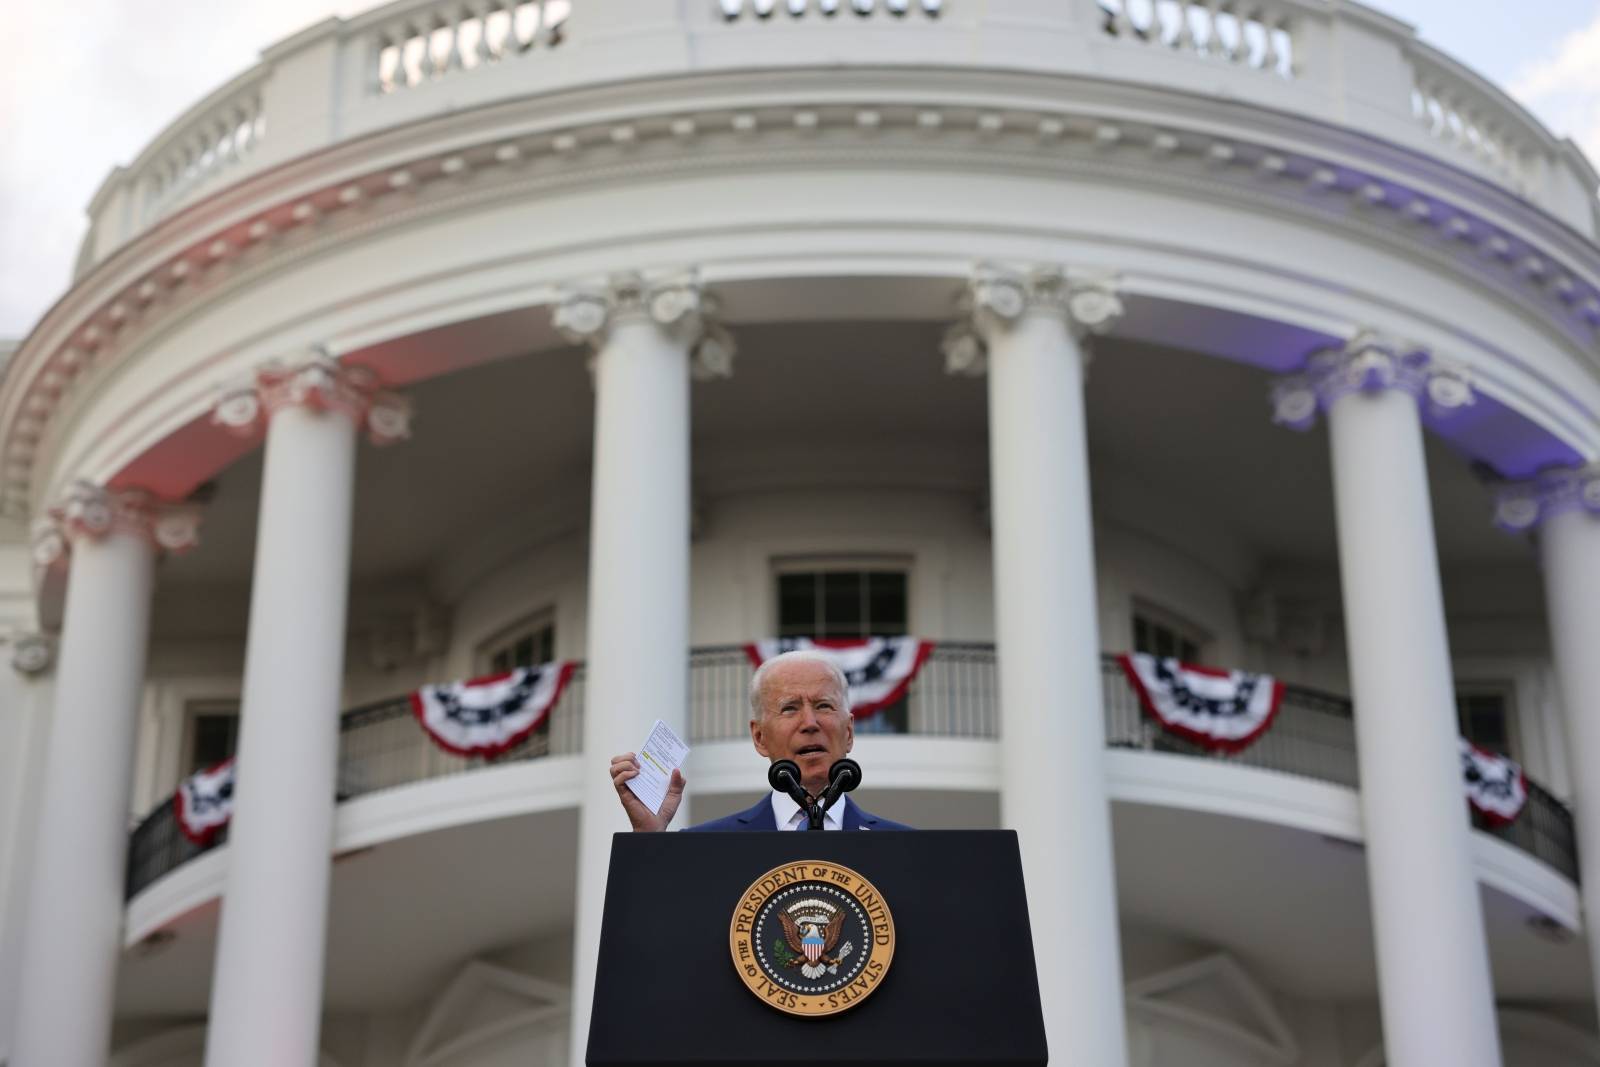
x: 955, y: 695
x: 380, y: 746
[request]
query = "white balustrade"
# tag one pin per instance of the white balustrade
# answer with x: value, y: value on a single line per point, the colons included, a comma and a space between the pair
x: 355, y: 77
x: 1469, y: 115
x: 214, y: 139
x: 733, y: 10
x: 1259, y: 35
x: 430, y: 42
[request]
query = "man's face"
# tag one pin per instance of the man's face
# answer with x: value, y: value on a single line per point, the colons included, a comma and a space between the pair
x: 803, y: 718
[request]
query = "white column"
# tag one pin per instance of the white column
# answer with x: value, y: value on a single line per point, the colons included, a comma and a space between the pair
x: 647, y: 338
x: 1434, y: 985
x: 74, y: 929
x: 266, y: 996
x: 1026, y: 327
x: 1566, y: 504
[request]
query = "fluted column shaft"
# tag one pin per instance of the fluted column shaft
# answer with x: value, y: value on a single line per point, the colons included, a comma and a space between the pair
x: 1052, y: 740
x: 74, y: 929
x: 648, y: 338
x: 1435, y: 992
x: 266, y: 996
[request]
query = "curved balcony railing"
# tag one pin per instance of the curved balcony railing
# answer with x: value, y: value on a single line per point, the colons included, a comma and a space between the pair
x: 414, y: 59
x: 955, y: 695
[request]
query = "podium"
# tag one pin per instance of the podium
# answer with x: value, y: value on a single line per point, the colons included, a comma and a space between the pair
x: 961, y: 987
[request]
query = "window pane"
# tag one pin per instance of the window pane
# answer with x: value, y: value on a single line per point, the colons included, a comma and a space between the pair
x: 547, y: 645
x: 886, y: 603
x: 522, y: 653
x: 500, y: 662
x: 797, y: 604
x: 842, y: 614
x: 1484, y: 721
x: 215, y: 739
x: 1141, y: 635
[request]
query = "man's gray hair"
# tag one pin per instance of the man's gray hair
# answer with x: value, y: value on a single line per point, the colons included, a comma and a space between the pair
x: 798, y: 655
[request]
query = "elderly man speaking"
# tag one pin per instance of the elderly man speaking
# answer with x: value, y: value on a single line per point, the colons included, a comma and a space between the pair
x: 800, y: 711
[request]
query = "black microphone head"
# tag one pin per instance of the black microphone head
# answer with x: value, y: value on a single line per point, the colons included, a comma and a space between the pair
x: 784, y: 776
x: 844, y: 775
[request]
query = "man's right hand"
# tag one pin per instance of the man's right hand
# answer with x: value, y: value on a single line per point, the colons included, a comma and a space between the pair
x: 626, y: 766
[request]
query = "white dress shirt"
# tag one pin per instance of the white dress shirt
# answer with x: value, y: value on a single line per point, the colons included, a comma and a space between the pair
x: 791, y: 816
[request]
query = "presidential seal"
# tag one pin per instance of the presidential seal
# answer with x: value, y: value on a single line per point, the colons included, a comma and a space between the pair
x: 812, y: 938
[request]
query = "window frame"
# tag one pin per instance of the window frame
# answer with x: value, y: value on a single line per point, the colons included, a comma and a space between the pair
x: 509, y: 636
x: 1181, y: 627
x: 850, y: 563
x: 193, y: 711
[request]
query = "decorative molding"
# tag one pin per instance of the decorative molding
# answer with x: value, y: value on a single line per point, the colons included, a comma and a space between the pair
x: 320, y: 382
x: 98, y: 321
x: 1521, y: 506
x: 1369, y: 363
x: 998, y: 296
x: 676, y: 302
x: 94, y: 512
x: 32, y: 654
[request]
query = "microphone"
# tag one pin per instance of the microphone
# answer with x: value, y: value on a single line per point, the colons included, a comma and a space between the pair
x: 843, y: 776
x: 784, y: 776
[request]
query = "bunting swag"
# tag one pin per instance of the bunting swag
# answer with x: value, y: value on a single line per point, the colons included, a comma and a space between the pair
x: 204, y: 802
x: 878, y: 669
x: 1219, y: 710
x: 1495, y: 785
x: 487, y: 716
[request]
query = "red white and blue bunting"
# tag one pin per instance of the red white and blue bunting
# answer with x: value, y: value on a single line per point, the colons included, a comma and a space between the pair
x: 1495, y: 784
x: 204, y: 802
x: 487, y: 716
x: 1216, y: 709
x: 877, y: 669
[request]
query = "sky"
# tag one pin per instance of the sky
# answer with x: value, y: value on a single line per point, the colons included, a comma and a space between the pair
x: 87, y: 83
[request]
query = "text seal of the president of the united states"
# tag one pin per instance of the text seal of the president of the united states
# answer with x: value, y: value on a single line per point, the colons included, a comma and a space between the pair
x: 812, y: 938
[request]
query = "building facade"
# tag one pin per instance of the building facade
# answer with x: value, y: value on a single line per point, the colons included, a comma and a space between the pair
x: 458, y: 336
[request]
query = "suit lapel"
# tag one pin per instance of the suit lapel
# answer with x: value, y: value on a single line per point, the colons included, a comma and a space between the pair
x: 854, y: 818
x: 758, y: 817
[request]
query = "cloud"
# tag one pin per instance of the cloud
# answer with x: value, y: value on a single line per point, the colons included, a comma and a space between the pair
x: 89, y: 85
x: 1564, y: 87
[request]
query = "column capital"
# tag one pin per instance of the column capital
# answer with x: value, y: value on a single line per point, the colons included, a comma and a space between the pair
x: 1370, y: 362
x: 998, y: 296
x: 32, y: 654
x: 1526, y: 504
x: 677, y: 302
x: 317, y: 380
x: 93, y: 512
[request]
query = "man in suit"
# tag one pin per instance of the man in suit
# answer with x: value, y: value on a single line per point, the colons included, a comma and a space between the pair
x: 799, y: 710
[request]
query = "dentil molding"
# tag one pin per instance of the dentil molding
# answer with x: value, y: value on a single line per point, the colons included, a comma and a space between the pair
x: 112, y: 309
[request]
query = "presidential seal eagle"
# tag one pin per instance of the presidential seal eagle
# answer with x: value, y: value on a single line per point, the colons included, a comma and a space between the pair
x: 812, y: 936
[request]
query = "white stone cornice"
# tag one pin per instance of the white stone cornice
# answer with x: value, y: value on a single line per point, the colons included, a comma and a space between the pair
x: 318, y: 381
x: 677, y: 303
x: 32, y: 654
x: 1550, y: 270
x: 89, y: 511
x: 1369, y: 363
x: 999, y: 296
x: 1523, y: 505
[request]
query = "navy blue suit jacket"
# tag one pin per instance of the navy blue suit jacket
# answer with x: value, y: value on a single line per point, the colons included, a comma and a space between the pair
x: 760, y: 817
